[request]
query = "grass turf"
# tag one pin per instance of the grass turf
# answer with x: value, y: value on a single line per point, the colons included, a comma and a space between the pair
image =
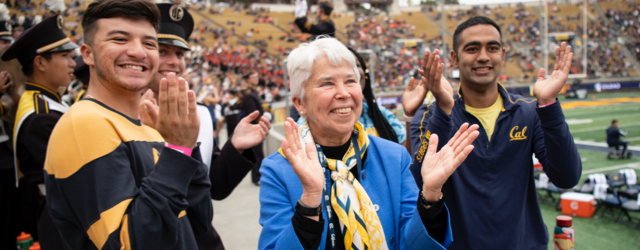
x: 596, y: 232
x: 589, y: 124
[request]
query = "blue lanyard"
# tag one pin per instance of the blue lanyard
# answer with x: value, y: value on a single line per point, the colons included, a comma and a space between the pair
x: 327, y: 175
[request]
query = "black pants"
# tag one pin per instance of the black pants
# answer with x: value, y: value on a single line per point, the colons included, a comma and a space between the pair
x: 8, y: 210
x: 624, y: 145
x: 255, y: 171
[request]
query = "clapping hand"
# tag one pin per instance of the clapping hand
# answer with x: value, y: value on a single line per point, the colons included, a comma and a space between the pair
x: 4, y: 76
x: 178, y: 120
x: 148, y: 109
x: 247, y: 135
x: 432, y: 74
x: 438, y: 167
x: 546, y: 90
x: 304, y: 164
x: 413, y: 96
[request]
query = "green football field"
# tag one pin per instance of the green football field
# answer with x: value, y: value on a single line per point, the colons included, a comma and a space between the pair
x: 587, y: 123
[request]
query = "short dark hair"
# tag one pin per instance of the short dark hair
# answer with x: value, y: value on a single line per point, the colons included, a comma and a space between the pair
x: 469, y: 23
x: 247, y: 75
x: 27, y: 68
x: 130, y: 9
x: 326, y: 6
x: 614, y: 121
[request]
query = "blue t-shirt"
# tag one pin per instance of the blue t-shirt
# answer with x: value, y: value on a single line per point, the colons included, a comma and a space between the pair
x: 367, y: 122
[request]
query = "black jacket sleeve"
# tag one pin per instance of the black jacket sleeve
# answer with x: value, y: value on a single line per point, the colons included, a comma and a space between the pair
x: 325, y: 27
x: 228, y: 168
x: 309, y: 231
x: 200, y: 209
x: 35, y: 132
x: 434, y: 219
x: 555, y: 148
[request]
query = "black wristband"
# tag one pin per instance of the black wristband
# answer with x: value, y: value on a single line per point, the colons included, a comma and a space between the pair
x: 305, y: 210
x: 427, y: 203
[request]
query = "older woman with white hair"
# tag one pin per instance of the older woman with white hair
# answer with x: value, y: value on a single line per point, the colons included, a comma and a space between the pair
x: 332, y: 186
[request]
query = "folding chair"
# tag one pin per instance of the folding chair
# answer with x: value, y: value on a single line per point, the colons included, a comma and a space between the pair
x: 616, y: 180
x: 610, y: 204
x: 631, y: 178
x: 631, y: 205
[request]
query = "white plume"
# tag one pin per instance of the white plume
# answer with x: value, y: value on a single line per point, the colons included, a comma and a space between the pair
x: 36, y: 20
x: 57, y: 6
x: 4, y: 13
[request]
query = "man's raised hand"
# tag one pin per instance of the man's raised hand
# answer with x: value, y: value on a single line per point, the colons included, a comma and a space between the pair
x: 178, y: 120
x: 432, y: 74
x: 148, y: 109
x: 546, y: 90
x: 413, y: 96
x: 247, y: 135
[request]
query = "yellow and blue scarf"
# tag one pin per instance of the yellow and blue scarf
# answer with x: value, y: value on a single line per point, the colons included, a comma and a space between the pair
x: 359, y: 220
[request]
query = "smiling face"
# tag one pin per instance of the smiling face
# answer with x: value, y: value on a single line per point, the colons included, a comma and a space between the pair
x: 332, y: 102
x: 480, y: 56
x: 59, y: 70
x: 171, y: 60
x: 124, y: 53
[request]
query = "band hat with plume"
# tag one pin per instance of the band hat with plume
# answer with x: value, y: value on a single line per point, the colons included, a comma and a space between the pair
x: 5, y: 26
x: 56, y: 6
x: 176, y: 25
x: 46, y: 36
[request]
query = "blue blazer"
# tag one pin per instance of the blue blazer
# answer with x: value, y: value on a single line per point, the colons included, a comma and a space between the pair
x: 388, y: 181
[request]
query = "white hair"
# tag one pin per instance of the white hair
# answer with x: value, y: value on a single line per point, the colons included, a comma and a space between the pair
x: 302, y: 59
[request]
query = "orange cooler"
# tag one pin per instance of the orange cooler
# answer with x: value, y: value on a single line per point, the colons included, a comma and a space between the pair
x: 578, y: 204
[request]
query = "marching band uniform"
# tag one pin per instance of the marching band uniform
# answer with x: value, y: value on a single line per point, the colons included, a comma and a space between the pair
x: 38, y: 112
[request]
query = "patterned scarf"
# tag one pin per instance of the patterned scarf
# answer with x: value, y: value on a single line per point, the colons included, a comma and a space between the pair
x: 359, y: 220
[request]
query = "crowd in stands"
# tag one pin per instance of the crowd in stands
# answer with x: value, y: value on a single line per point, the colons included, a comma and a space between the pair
x: 395, y: 63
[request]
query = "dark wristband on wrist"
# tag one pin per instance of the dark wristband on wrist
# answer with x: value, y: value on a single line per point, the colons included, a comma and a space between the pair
x: 305, y: 210
x: 427, y: 203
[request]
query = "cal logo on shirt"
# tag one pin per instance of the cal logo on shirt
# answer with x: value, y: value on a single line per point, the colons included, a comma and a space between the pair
x: 516, y: 134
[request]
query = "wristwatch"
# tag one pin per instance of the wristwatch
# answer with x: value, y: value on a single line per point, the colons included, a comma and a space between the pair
x: 427, y: 203
x: 305, y: 210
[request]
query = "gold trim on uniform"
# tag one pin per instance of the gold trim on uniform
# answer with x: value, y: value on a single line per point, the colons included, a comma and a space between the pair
x: 52, y: 45
x: 169, y: 36
x: 5, y: 33
x: 42, y: 87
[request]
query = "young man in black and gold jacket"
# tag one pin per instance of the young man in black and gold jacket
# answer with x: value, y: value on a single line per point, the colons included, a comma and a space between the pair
x: 112, y: 182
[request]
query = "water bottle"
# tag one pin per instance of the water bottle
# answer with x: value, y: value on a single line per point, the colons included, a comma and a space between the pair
x: 24, y: 241
x: 36, y: 246
x: 563, y: 233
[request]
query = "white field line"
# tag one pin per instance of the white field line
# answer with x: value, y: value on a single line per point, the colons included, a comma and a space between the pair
x: 635, y: 165
x: 603, y: 128
x: 600, y: 113
x: 609, y: 117
x: 601, y: 144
